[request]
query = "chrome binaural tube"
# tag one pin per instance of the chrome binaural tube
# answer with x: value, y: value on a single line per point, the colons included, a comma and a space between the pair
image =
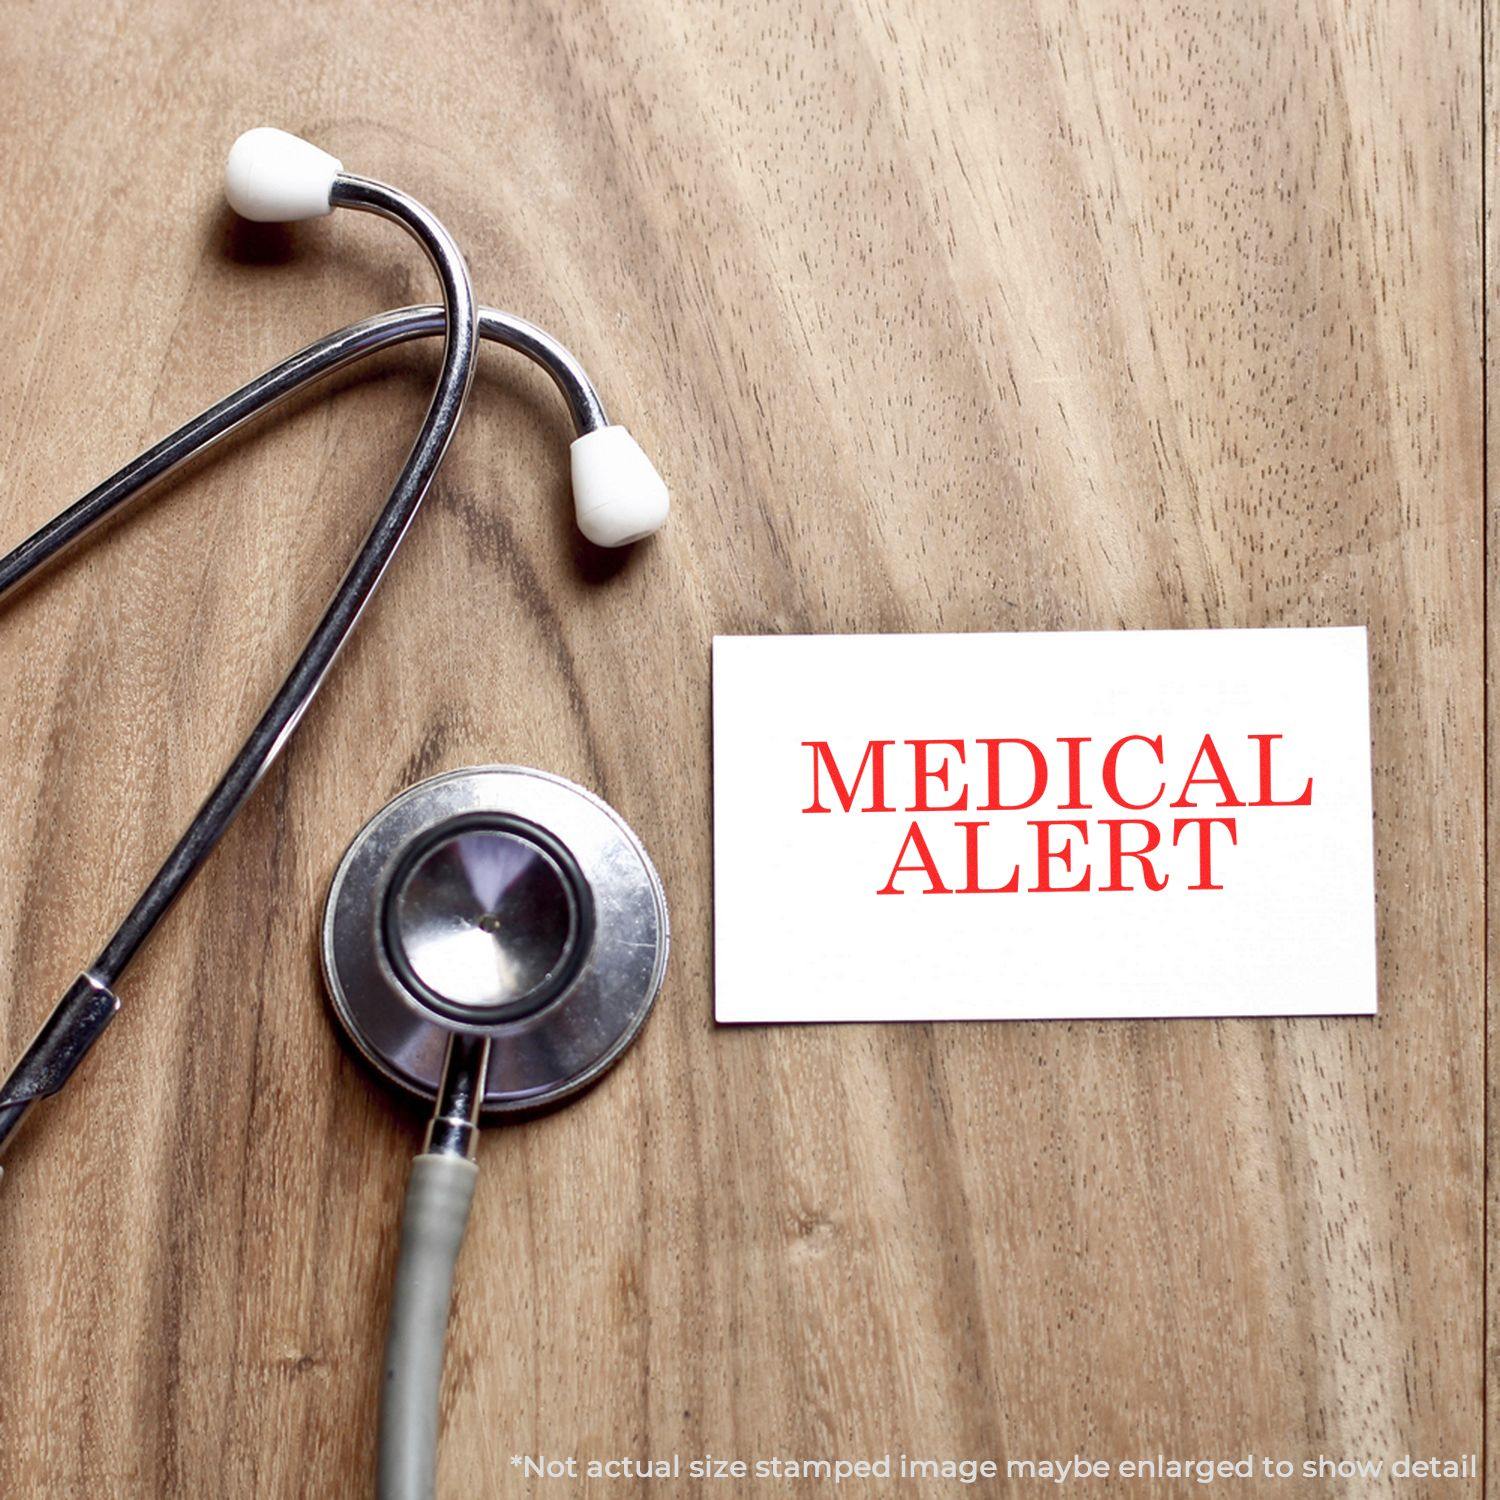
x: 82, y: 1015
x: 266, y: 392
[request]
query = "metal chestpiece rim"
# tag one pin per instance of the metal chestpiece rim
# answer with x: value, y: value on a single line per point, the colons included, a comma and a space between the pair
x: 560, y: 1036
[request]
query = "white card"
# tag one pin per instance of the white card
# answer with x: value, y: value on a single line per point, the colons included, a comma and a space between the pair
x: 1135, y: 823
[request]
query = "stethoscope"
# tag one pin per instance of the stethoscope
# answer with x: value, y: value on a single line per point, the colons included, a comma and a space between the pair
x: 494, y: 938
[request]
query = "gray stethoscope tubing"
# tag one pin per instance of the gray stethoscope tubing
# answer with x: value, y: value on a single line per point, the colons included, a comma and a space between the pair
x: 83, y: 1013
x: 493, y: 941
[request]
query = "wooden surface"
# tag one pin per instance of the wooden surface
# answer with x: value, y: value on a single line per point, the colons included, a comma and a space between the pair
x: 938, y: 316
x: 1491, y: 121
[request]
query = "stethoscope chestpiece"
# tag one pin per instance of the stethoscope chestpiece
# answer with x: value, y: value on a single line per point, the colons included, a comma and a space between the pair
x: 498, y: 902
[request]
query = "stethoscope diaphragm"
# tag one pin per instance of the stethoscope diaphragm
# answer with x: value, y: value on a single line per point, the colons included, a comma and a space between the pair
x: 501, y: 902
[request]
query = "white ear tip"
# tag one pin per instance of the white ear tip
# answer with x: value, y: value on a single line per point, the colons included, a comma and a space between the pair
x: 619, y: 496
x: 276, y: 178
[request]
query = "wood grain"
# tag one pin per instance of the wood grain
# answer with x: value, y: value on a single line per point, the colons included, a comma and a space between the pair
x: 1492, y: 727
x: 939, y: 317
